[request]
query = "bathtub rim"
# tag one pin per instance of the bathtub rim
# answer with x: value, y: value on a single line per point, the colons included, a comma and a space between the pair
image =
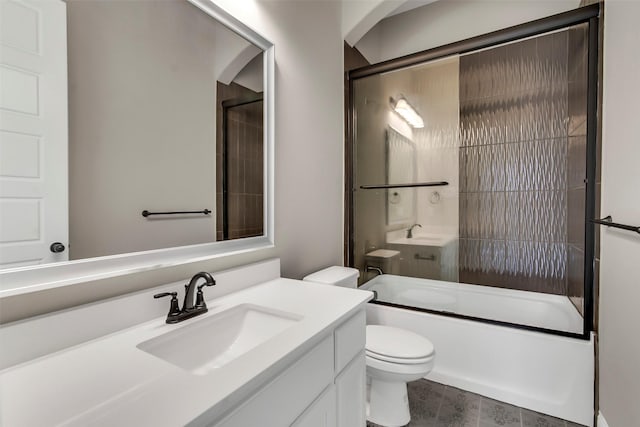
x: 586, y: 335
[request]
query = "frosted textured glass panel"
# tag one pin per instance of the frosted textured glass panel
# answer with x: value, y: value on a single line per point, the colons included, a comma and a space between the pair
x: 514, y: 165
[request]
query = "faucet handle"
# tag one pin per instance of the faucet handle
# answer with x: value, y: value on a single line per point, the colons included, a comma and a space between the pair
x: 200, y: 303
x: 166, y: 294
x: 174, y: 308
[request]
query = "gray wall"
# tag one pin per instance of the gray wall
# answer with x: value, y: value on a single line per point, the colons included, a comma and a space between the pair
x: 308, y: 156
x: 620, y: 250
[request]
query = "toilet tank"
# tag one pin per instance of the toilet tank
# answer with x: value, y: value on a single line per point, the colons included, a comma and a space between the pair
x: 337, y: 276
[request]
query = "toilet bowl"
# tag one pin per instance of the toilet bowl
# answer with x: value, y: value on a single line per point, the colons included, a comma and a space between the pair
x: 393, y: 356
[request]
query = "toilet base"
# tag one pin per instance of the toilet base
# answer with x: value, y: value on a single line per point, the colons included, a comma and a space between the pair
x: 387, y: 403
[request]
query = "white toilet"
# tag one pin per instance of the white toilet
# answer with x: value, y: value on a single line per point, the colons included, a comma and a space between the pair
x: 394, y: 357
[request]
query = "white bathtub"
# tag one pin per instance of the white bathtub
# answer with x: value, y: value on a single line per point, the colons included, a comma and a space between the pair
x: 535, y: 309
x: 539, y: 371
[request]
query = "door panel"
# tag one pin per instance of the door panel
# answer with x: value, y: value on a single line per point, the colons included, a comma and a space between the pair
x: 33, y: 131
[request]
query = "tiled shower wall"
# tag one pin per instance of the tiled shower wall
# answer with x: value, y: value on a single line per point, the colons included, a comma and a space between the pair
x: 521, y: 205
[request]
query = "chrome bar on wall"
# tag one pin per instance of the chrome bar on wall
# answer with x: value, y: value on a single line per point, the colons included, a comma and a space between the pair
x: 608, y: 221
x: 416, y: 184
x: 146, y: 213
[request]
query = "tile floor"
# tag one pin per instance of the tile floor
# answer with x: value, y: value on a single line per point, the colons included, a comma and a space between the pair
x: 439, y: 405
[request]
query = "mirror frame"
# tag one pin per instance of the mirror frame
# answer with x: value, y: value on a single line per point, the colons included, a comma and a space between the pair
x: 22, y: 280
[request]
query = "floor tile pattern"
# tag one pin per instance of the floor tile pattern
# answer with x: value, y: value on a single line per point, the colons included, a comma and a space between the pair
x: 437, y: 405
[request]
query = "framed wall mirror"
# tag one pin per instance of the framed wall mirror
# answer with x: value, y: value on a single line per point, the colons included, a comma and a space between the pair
x: 134, y: 135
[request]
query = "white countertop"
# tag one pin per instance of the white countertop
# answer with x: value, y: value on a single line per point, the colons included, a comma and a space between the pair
x: 108, y: 381
x: 437, y: 240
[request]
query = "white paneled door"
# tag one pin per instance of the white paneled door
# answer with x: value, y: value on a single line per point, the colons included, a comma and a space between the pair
x: 33, y: 132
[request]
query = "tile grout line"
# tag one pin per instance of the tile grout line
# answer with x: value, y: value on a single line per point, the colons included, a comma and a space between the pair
x: 521, y: 422
x: 440, y: 404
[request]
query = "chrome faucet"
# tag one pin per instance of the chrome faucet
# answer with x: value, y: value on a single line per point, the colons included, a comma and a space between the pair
x: 189, y: 309
x: 410, y: 230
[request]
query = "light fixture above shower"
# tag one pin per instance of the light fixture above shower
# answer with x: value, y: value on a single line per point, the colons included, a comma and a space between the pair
x: 407, y: 112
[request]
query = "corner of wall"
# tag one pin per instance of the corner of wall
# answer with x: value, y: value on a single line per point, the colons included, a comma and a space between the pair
x: 601, y: 422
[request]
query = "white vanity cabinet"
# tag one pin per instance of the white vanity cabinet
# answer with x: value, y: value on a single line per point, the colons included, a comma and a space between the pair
x: 310, y: 373
x: 350, y: 393
x: 325, y: 387
x: 321, y: 413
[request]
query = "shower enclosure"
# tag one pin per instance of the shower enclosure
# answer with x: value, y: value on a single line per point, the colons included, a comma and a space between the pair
x: 473, y: 176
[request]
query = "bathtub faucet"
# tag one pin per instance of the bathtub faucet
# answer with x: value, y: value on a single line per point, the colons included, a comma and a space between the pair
x: 376, y: 269
x: 410, y: 230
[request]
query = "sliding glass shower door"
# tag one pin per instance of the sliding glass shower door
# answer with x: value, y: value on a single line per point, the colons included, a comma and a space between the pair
x: 484, y: 183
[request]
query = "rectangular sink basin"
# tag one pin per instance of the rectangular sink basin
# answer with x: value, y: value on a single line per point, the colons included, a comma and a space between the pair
x: 209, y: 343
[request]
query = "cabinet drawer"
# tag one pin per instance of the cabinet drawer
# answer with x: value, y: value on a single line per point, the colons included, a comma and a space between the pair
x: 281, y: 401
x: 350, y: 339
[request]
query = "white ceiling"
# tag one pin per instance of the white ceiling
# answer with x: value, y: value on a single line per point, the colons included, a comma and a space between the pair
x: 410, y: 4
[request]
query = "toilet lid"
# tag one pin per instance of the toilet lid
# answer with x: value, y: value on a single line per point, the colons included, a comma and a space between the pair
x: 402, y: 361
x: 387, y: 342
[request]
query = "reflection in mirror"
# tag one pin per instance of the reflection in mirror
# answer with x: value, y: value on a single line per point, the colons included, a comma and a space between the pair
x: 159, y: 119
x: 401, y: 159
x: 239, y: 151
